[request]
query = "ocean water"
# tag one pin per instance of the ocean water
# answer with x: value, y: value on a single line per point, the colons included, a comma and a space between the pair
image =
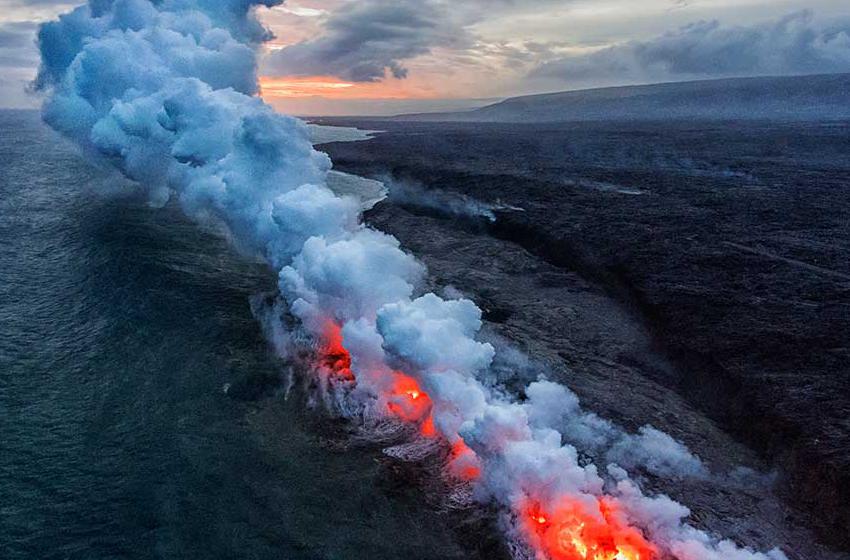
x: 369, y: 191
x: 120, y: 325
x: 322, y: 134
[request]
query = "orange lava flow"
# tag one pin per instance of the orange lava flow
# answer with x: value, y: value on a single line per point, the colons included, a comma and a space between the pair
x: 570, y: 532
x: 428, y: 429
x: 407, y: 401
x: 464, y: 463
x: 333, y: 356
x: 404, y: 399
x: 570, y: 528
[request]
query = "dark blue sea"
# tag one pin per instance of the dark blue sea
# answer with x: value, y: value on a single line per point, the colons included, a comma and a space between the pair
x: 120, y: 326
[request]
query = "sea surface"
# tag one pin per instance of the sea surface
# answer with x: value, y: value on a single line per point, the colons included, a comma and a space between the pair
x: 121, y: 326
x: 322, y: 134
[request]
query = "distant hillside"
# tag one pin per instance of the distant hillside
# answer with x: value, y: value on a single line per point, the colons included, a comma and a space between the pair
x: 792, y: 98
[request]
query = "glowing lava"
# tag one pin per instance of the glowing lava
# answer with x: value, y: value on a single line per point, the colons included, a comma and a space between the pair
x: 428, y: 429
x: 570, y: 529
x: 578, y: 531
x: 404, y: 397
x: 407, y: 401
x: 464, y: 463
x: 333, y: 357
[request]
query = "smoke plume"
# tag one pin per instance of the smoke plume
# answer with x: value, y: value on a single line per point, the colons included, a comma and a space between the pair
x: 412, y: 194
x: 165, y: 92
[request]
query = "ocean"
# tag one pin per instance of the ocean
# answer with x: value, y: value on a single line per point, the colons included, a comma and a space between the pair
x: 121, y: 328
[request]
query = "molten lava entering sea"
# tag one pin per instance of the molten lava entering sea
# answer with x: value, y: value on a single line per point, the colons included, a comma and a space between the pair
x: 406, y: 401
x: 166, y: 92
x: 571, y: 530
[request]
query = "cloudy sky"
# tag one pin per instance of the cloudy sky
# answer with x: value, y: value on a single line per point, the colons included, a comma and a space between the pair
x: 390, y: 56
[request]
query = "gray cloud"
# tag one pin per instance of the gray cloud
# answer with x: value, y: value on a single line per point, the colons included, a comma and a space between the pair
x: 40, y: 3
x: 19, y: 35
x: 364, y: 40
x: 794, y: 44
x: 18, y: 59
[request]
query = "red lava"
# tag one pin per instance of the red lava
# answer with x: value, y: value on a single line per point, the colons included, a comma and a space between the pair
x: 581, y: 530
x: 585, y: 528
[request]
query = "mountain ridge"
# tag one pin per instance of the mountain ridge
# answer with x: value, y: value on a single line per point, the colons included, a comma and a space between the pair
x: 811, y: 97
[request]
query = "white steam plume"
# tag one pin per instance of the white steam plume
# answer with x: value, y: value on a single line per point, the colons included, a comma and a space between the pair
x: 165, y: 91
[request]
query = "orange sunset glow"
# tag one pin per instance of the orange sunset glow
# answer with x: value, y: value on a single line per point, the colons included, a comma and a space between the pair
x: 285, y: 87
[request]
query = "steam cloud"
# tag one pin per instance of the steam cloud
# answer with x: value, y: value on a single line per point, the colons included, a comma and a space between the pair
x: 414, y: 195
x: 164, y: 91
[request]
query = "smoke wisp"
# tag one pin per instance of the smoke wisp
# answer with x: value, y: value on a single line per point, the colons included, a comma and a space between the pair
x: 165, y: 92
x: 454, y: 205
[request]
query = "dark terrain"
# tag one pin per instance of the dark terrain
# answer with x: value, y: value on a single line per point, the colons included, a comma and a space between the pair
x: 690, y: 275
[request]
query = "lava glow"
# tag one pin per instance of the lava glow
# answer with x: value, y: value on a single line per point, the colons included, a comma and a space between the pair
x: 464, y: 463
x: 407, y: 401
x: 428, y: 429
x: 166, y: 92
x: 569, y: 530
x: 579, y: 531
x: 333, y: 357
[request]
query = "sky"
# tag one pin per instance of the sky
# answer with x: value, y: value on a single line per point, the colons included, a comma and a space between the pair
x: 365, y: 57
